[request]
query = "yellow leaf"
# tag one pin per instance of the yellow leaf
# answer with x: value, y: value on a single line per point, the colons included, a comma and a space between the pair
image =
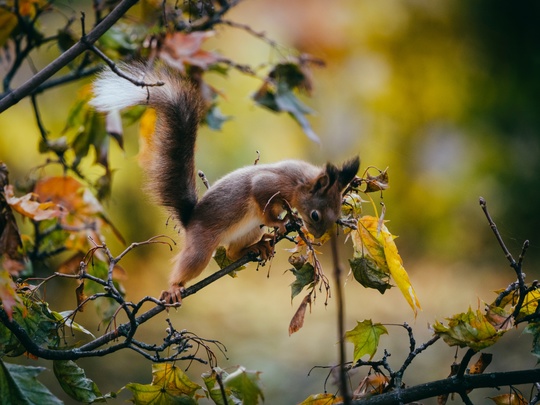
x: 471, y: 329
x: 375, y: 241
x: 399, y: 274
x: 8, y: 22
x: 322, y: 399
x: 147, y: 125
x: 509, y: 399
x: 173, y: 380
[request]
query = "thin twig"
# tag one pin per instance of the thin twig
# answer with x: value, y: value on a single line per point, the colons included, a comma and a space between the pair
x: 338, y: 271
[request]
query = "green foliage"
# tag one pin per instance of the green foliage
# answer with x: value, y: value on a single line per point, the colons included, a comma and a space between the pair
x: 534, y: 329
x: 365, y: 338
x: 19, y: 385
x: 470, y: 329
x: 169, y: 385
x: 246, y: 384
x: 73, y: 381
x: 67, y: 215
x: 305, y: 276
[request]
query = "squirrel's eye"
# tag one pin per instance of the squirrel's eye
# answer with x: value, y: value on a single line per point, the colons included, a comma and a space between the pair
x: 315, y: 215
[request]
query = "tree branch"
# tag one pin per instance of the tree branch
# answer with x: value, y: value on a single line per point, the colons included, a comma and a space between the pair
x: 453, y: 384
x: 126, y: 330
x: 12, y: 97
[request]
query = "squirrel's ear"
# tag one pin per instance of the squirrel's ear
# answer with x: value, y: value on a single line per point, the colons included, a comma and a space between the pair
x: 348, y: 171
x: 326, y: 179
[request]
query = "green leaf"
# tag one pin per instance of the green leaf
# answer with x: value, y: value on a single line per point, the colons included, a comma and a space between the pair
x: 246, y: 384
x: 170, y: 385
x: 223, y: 261
x: 73, y: 381
x: 213, y: 389
x: 215, y: 118
x: 365, y: 338
x: 471, y: 329
x: 366, y: 272
x: 173, y: 379
x: 148, y: 394
x: 66, y: 319
x: 19, y: 385
x: 36, y: 319
x: 534, y: 329
x: 304, y: 276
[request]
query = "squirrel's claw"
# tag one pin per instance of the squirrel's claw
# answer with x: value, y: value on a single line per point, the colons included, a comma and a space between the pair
x: 172, y: 296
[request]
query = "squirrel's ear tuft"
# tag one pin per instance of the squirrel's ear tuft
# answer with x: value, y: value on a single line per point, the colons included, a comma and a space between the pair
x: 326, y: 179
x: 348, y: 171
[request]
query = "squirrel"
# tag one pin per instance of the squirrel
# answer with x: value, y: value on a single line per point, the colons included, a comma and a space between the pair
x: 236, y: 209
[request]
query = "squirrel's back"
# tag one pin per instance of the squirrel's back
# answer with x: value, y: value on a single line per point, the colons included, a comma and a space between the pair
x: 179, y: 106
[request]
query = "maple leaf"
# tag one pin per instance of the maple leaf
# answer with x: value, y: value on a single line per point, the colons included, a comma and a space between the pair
x: 365, y: 338
x: 82, y: 207
x: 246, y: 383
x: 170, y: 385
x: 471, y: 329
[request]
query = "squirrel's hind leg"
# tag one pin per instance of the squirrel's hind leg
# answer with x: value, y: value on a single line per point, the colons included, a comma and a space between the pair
x: 190, y: 262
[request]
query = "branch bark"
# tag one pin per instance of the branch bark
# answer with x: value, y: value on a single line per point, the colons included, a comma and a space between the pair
x: 94, y: 348
x: 453, y: 384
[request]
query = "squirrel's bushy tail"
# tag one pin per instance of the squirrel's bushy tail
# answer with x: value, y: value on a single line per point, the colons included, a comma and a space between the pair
x: 171, y: 173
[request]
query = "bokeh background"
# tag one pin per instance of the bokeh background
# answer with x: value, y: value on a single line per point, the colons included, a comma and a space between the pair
x: 445, y: 94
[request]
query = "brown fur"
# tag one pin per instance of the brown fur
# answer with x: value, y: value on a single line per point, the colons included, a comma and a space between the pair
x: 235, y: 209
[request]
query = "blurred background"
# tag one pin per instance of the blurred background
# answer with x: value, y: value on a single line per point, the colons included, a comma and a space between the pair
x: 445, y: 94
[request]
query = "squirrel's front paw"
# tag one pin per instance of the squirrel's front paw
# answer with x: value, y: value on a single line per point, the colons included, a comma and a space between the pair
x: 264, y: 248
x: 172, y: 296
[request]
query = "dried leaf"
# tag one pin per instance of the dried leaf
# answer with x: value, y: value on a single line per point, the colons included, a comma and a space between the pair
x: 322, y: 399
x: 297, y: 320
x: 181, y: 49
x: 509, y: 399
x: 28, y: 206
x: 81, y: 296
x: 371, y: 385
x: 376, y: 183
x: 481, y: 364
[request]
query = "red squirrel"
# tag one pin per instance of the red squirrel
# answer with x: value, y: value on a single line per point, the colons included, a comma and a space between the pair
x: 236, y: 209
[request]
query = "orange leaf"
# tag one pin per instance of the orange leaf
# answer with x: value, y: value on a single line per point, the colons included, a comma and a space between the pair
x: 297, y: 320
x: 180, y: 49
x: 81, y: 296
x: 29, y: 207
